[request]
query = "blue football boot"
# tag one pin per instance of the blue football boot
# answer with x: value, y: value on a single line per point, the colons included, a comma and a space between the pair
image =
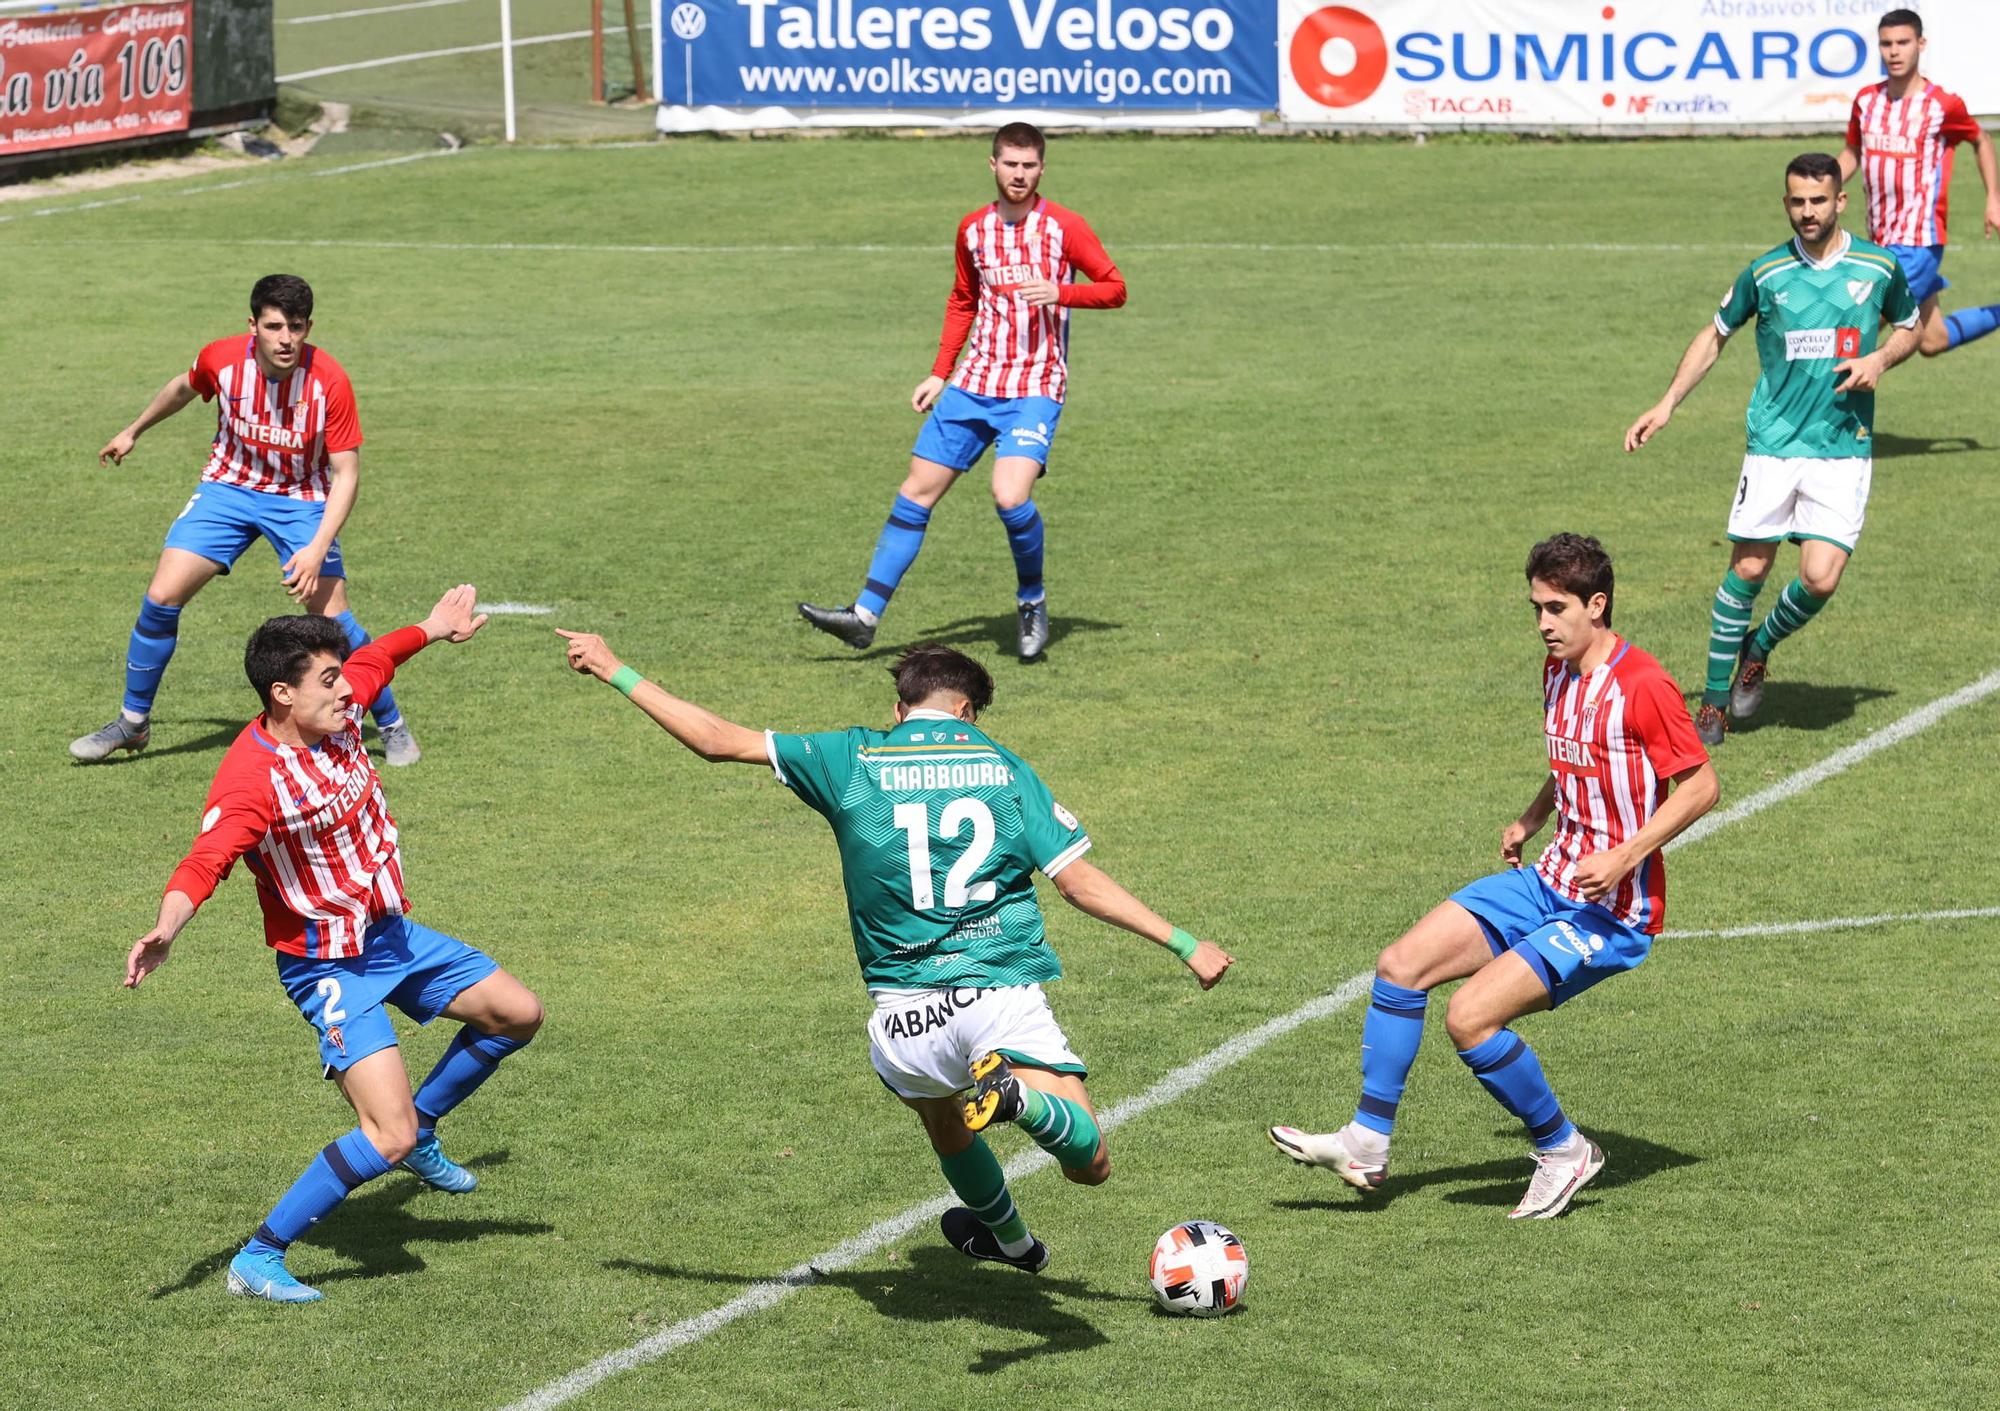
x: 262, y: 1274
x: 430, y: 1165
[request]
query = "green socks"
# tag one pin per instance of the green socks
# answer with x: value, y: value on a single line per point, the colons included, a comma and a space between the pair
x: 1794, y: 609
x: 1064, y: 1129
x: 976, y: 1176
x: 1728, y: 625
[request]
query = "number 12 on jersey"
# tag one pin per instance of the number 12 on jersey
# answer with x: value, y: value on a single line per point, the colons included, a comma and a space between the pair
x: 914, y: 819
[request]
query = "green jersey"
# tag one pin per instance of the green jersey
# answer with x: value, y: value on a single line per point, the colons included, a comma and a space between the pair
x: 940, y: 832
x: 1811, y: 315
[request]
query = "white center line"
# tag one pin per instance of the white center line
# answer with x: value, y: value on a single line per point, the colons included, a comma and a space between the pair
x: 1185, y: 1079
x: 326, y: 15
x: 512, y: 609
x: 1834, y: 923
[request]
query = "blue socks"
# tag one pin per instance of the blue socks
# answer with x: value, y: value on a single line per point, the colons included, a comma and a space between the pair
x: 1390, y: 1033
x: 895, y: 550
x: 469, y: 1062
x: 1508, y: 1069
x: 154, y: 637
x: 385, y: 709
x: 1968, y: 324
x: 1024, y: 537
x: 339, y: 1168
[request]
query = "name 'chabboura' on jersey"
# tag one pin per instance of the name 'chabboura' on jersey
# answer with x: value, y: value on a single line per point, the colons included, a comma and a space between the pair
x: 1019, y: 350
x: 274, y: 433
x: 311, y: 824
x: 1615, y: 737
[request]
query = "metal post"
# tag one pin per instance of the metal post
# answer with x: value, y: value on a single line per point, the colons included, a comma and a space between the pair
x: 507, y: 61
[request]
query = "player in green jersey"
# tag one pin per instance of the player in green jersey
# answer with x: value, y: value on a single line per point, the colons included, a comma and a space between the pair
x: 940, y: 831
x: 1818, y: 300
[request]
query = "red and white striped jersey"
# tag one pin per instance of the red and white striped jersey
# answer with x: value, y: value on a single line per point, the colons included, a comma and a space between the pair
x: 1615, y: 737
x: 1905, y: 145
x: 312, y: 825
x: 1018, y: 350
x: 274, y: 434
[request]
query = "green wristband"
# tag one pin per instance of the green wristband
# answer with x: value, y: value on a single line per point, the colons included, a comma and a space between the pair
x: 1182, y: 944
x: 625, y: 681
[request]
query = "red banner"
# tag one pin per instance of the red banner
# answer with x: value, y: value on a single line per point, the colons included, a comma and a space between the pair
x: 70, y: 79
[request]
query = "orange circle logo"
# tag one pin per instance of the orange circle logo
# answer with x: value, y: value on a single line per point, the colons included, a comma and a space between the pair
x: 1357, y: 33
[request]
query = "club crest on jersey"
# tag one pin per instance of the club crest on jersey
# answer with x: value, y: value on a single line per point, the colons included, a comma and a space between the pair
x: 1590, y: 718
x: 1859, y: 290
x: 336, y: 1038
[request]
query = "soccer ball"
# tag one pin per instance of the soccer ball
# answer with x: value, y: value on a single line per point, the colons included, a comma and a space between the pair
x: 1199, y: 1268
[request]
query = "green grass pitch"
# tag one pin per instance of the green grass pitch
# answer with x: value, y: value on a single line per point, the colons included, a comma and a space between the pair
x: 1291, y: 694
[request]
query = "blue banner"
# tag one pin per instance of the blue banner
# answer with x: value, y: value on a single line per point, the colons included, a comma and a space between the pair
x: 1073, y: 55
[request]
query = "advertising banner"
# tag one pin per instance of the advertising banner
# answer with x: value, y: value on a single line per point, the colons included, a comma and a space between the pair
x: 72, y: 78
x: 770, y: 63
x: 1585, y: 66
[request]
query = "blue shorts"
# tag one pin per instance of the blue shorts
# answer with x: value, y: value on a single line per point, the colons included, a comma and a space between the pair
x: 962, y: 425
x: 418, y: 970
x: 1920, y: 268
x: 220, y: 522
x: 1570, y: 944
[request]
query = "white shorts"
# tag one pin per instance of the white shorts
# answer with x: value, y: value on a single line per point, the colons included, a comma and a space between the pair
x: 922, y: 1042
x: 1786, y: 497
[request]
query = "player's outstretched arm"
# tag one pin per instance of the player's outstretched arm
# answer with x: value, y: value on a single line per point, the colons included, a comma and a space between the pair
x: 168, y: 400
x: 703, y: 731
x: 1695, y: 363
x: 149, y: 952
x: 1695, y: 791
x: 1091, y: 890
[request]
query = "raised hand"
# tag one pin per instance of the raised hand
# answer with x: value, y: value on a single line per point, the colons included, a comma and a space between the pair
x: 453, y: 619
x: 588, y: 655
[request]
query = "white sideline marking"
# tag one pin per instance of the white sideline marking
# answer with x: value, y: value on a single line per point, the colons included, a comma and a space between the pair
x: 372, y: 10
x: 512, y: 609
x: 1184, y: 1080
x: 761, y: 1296
x: 1835, y: 923
x: 1840, y: 761
x: 446, y: 53
x: 228, y: 186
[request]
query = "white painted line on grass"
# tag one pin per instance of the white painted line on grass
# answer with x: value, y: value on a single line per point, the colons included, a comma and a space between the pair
x: 1842, y: 760
x: 1834, y: 923
x: 1184, y: 1080
x: 510, y: 609
x: 761, y: 1296
x: 489, y: 48
x: 265, y: 180
x: 325, y: 15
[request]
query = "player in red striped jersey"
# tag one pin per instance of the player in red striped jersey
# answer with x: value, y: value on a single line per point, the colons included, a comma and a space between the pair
x: 1900, y: 136
x: 286, y: 464
x: 1017, y: 259
x: 1618, y: 736
x: 297, y: 800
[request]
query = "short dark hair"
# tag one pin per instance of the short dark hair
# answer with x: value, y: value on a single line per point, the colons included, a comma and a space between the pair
x: 930, y: 668
x: 1020, y: 134
x: 283, y: 648
x: 1897, y: 19
x: 1814, y: 166
x: 1575, y: 565
x: 287, y: 293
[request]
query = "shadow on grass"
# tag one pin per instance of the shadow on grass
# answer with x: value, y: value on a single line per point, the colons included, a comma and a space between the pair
x: 1000, y: 632
x: 227, y: 729
x: 375, y: 1232
x: 1889, y: 446
x: 938, y: 1285
x: 1801, y: 705
x: 1500, y: 1183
